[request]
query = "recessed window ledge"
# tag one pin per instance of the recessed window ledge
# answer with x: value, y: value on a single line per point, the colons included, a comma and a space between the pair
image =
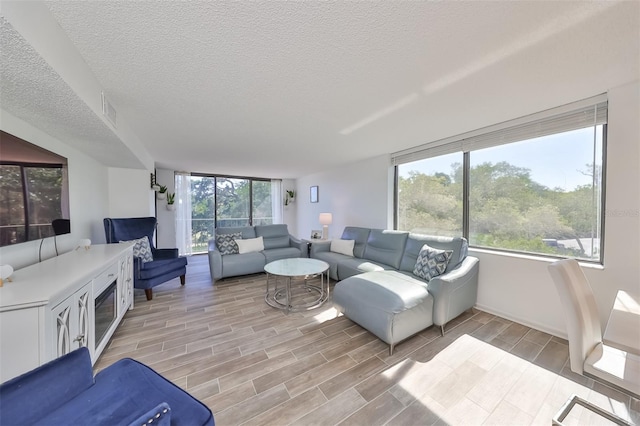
x: 532, y: 257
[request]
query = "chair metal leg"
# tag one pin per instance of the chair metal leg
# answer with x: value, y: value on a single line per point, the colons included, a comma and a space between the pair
x: 391, y: 346
x: 442, y: 330
x: 149, y: 293
x: 576, y: 400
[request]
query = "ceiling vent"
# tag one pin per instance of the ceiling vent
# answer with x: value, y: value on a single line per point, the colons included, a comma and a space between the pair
x: 108, y: 110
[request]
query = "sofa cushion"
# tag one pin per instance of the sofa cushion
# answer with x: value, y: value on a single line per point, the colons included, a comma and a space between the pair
x: 242, y: 264
x: 353, y: 266
x: 127, y: 389
x: 274, y: 236
x: 343, y: 247
x: 415, y: 242
x: 332, y: 259
x: 386, y: 247
x: 431, y: 262
x: 250, y: 245
x: 141, y: 249
x: 226, y: 243
x: 281, y: 253
x: 360, y: 235
x: 157, y: 268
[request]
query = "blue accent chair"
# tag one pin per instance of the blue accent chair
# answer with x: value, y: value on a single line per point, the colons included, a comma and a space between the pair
x: 166, y: 264
x: 64, y: 392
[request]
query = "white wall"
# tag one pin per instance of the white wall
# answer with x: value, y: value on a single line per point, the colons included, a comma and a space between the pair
x: 515, y: 287
x: 130, y: 193
x: 88, y: 203
x: 520, y: 288
x: 358, y: 194
x: 166, y: 231
x: 289, y: 213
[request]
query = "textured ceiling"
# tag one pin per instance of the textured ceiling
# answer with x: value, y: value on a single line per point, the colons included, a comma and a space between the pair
x: 284, y: 89
x: 33, y: 91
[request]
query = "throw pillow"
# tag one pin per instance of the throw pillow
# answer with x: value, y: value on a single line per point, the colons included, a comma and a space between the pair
x: 141, y: 249
x: 226, y: 243
x: 431, y: 262
x: 343, y: 247
x: 250, y: 245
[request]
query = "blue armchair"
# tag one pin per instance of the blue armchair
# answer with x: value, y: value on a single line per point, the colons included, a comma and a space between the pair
x: 65, y: 392
x: 166, y: 263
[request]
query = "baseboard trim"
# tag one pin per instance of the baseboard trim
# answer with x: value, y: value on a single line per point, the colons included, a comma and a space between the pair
x: 532, y: 324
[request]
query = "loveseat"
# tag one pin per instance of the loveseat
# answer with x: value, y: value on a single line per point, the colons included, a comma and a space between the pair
x: 65, y: 392
x: 379, y: 290
x: 258, y: 246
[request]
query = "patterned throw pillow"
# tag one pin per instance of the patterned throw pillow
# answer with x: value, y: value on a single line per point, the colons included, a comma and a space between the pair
x: 141, y: 249
x: 431, y: 262
x: 226, y: 243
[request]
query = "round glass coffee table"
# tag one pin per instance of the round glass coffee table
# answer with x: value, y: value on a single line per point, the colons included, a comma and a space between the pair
x: 288, y: 269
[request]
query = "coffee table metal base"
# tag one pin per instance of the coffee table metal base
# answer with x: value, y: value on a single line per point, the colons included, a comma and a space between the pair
x: 293, y: 297
x: 282, y: 297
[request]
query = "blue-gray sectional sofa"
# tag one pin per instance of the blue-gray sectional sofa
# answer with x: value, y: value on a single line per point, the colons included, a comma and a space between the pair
x: 379, y: 290
x: 226, y: 261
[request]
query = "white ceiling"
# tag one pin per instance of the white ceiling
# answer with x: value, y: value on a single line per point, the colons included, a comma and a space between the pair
x: 285, y: 89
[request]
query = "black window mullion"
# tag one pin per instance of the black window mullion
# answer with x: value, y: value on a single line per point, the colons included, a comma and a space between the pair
x: 250, y: 202
x: 466, y: 163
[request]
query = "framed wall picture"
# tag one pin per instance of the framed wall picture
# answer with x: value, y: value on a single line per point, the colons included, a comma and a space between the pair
x: 313, y: 194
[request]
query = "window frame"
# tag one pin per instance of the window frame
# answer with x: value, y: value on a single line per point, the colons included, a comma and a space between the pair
x: 215, y: 194
x: 466, y: 166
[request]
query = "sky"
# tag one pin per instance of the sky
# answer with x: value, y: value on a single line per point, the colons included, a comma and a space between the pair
x: 554, y: 161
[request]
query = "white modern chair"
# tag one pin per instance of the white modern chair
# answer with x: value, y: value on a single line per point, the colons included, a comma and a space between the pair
x: 588, y: 355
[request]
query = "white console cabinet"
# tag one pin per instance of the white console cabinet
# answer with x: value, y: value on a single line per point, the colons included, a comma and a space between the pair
x: 72, y: 321
x: 55, y: 306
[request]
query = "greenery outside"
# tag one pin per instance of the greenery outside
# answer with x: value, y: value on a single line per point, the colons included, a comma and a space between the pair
x: 44, y: 192
x: 226, y: 202
x: 508, y: 209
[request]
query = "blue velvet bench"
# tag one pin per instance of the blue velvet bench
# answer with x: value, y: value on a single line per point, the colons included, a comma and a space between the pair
x: 64, y: 392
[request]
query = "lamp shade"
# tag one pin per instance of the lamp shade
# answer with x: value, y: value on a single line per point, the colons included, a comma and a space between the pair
x: 326, y: 218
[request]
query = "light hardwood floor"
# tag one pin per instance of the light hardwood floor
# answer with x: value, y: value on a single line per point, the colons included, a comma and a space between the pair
x: 252, y: 364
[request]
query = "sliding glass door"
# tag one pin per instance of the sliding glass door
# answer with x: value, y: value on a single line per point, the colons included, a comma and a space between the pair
x: 225, y: 201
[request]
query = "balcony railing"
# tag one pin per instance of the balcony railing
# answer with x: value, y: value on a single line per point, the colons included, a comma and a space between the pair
x: 204, y: 229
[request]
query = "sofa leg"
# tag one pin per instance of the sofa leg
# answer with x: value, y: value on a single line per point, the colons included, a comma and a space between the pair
x: 391, y: 349
x: 149, y: 293
x: 442, y: 330
x: 182, y: 279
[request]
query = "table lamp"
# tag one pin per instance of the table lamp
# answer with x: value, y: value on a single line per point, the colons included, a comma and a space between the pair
x: 325, y: 221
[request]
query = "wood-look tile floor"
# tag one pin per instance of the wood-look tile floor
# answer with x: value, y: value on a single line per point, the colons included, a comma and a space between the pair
x: 252, y: 364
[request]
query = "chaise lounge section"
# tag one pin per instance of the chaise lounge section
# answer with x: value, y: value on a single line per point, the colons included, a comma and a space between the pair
x: 379, y: 290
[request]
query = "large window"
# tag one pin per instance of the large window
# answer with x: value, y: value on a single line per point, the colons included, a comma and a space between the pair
x: 222, y: 202
x: 541, y: 194
x: 430, y: 195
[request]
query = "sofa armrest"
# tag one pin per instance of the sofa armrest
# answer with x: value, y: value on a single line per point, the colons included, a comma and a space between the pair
x: 165, y: 253
x: 454, y: 292
x: 157, y: 416
x: 319, y: 247
x: 215, y: 260
x: 299, y: 244
x: 29, y: 398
